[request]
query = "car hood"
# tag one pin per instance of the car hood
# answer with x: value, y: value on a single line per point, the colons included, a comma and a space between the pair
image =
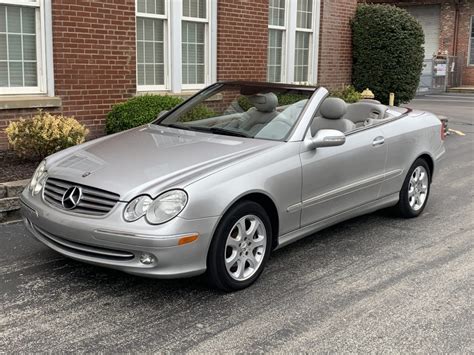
x: 151, y: 159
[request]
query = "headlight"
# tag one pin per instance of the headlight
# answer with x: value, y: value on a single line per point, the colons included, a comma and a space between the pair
x: 38, y: 179
x: 137, y: 208
x: 160, y: 210
x: 166, y: 206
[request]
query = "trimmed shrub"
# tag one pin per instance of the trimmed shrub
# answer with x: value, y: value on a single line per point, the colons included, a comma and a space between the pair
x: 140, y: 110
x: 44, y: 134
x: 349, y: 94
x: 387, y: 52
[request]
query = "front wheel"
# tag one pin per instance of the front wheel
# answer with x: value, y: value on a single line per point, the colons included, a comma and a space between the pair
x: 415, y: 190
x: 240, y: 247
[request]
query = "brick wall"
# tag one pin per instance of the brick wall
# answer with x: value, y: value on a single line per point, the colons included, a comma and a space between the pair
x: 465, y: 13
x: 335, y: 56
x: 94, y: 60
x: 242, y: 38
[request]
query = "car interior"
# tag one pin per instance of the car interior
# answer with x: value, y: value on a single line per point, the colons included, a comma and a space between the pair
x: 335, y: 113
x: 266, y: 119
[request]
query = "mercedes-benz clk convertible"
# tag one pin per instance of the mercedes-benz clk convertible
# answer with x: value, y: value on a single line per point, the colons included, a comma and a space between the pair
x: 235, y: 172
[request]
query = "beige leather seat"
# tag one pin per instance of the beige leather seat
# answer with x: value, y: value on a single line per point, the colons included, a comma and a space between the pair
x: 363, y: 113
x: 263, y: 112
x: 332, y: 112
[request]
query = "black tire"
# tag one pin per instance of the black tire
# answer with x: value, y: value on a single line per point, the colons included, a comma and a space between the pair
x: 217, y: 274
x: 403, y: 207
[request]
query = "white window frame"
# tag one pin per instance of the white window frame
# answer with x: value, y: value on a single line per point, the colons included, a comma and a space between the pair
x: 44, y: 50
x: 148, y: 88
x: 311, y: 45
x: 283, y: 28
x: 291, y: 10
x: 173, y: 53
x: 470, y: 61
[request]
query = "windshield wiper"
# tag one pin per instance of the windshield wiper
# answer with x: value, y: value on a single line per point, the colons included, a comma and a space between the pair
x: 215, y: 130
x: 175, y: 125
x: 227, y: 132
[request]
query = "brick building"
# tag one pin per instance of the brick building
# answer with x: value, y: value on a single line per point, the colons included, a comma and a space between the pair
x: 81, y: 57
x: 449, y: 28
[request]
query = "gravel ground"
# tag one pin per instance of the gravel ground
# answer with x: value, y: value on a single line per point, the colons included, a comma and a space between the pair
x: 12, y: 168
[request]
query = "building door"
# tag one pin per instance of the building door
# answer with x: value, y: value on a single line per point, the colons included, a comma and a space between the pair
x: 429, y: 18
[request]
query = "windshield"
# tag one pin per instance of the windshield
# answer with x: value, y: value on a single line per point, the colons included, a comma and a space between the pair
x: 259, y: 112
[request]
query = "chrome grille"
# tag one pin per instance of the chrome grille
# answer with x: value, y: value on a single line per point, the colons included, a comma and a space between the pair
x: 95, y: 202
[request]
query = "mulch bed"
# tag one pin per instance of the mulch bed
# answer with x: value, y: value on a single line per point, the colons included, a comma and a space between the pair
x: 13, y: 168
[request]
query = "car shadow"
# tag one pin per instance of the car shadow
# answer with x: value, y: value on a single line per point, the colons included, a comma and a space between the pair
x: 336, y: 239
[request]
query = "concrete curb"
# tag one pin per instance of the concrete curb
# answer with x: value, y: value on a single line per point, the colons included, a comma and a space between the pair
x: 10, y: 200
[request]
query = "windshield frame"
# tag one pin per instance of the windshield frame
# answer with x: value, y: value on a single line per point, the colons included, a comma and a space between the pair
x: 213, y: 89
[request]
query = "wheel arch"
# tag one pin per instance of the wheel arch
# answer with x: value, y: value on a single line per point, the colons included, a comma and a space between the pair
x: 430, y: 161
x: 268, y: 205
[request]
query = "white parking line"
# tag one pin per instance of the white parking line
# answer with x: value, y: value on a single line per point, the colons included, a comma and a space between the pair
x: 438, y: 101
x: 452, y: 96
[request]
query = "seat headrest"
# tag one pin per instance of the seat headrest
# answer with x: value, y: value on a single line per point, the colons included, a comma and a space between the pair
x: 333, y: 108
x: 264, y: 102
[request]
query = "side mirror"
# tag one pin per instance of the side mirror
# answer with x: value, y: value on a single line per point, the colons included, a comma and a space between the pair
x: 162, y: 113
x: 327, y: 138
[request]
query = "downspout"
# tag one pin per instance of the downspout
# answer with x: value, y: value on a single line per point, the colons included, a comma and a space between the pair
x: 317, y: 24
x: 456, y: 27
x: 456, y: 36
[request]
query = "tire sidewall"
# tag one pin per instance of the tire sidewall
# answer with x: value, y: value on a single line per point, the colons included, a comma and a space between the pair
x: 218, y: 273
x: 405, y: 208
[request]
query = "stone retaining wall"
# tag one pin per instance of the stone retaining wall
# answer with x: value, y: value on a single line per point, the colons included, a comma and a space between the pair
x: 10, y: 200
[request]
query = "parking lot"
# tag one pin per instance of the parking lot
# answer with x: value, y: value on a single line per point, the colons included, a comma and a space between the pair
x: 375, y: 283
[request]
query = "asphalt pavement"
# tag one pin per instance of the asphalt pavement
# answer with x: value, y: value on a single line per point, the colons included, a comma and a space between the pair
x: 376, y: 283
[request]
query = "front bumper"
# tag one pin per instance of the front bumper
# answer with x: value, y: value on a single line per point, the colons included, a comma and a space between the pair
x: 111, y: 242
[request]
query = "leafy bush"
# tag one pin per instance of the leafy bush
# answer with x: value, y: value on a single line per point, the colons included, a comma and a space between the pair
x: 349, y: 94
x: 387, y: 52
x: 140, y: 110
x: 137, y: 111
x: 44, y: 134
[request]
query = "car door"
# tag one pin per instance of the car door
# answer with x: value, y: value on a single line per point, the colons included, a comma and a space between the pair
x: 341, y: 178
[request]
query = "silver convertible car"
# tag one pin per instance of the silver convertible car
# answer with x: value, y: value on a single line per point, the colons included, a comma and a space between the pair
x: 235, y: 172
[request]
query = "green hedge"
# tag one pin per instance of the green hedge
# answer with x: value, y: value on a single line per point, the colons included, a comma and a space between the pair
x: 387, y: 52
x: 140, y: 110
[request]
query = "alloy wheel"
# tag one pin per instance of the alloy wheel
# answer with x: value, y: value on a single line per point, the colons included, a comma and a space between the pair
x: 418, y: 188
x: 245, y: 247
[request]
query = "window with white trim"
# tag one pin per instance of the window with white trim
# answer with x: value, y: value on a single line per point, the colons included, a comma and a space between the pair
x: 151, y: 22
x: 471, y: 44
x: 194, y: 41
x: 276, y: 39
x: 304, y: 30
x: 292, y: 40
x: 23, y: 57
x: 175, y: 44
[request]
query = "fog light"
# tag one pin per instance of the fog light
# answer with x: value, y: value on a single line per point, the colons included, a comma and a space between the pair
x: 147, y: 259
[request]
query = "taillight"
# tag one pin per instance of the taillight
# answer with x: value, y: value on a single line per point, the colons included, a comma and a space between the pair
x: 443, y: 128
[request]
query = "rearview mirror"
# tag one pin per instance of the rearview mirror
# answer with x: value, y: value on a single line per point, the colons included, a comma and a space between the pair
x: 327, y: 138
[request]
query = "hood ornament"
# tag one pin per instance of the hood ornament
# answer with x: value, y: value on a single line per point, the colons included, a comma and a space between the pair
x: 86, y: 174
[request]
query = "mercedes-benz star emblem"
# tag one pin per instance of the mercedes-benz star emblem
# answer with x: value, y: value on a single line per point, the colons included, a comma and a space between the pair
x: 72, y: 197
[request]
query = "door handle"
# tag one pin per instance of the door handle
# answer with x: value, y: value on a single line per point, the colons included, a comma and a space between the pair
x: 378, y: 141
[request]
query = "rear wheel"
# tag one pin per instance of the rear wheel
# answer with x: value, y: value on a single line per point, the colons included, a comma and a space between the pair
x: 240, y: 247
x: 415, y: 191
